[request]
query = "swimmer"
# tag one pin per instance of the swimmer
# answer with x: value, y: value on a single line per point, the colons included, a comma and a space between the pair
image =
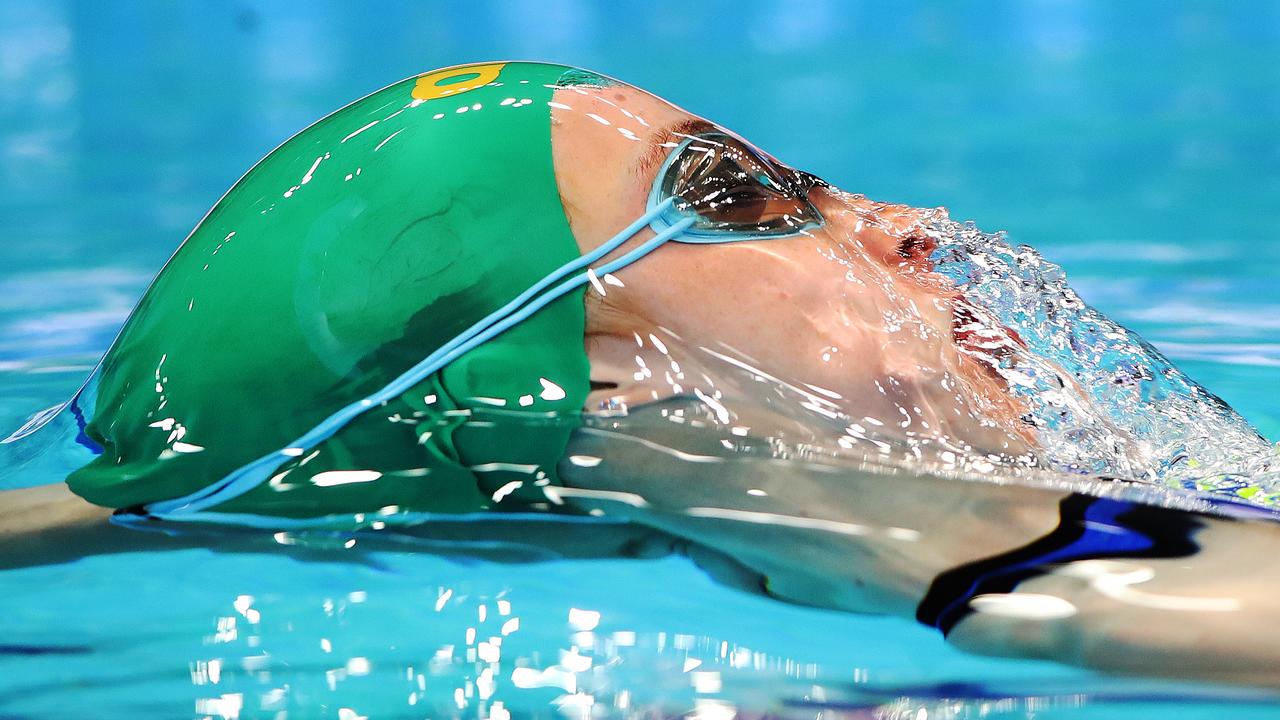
x: 497, y: 290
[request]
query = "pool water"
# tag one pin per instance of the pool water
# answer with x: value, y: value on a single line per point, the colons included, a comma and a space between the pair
x: 1135, y: 144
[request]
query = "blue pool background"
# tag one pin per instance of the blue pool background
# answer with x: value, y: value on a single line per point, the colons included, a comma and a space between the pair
x: 1136, y: 143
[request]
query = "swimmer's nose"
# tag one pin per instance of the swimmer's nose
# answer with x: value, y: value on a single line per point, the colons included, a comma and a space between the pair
x: 888, y: 232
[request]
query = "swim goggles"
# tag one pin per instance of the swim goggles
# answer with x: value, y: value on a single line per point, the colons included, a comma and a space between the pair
x: 712, y: 189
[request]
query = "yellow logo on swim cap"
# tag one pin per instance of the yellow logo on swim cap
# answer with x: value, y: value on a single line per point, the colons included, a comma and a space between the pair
x: 467, y: 77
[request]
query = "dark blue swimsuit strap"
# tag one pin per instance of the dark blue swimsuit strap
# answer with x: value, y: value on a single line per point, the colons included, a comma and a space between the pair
x: 1091, y: 528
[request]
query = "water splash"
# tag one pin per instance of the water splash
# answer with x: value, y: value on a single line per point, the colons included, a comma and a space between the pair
x: 1103, y: 400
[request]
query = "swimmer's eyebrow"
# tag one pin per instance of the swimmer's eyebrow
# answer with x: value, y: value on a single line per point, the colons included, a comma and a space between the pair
x: 659, y: 143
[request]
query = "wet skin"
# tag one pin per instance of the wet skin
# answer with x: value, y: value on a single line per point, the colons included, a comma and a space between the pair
x: 851, y: 307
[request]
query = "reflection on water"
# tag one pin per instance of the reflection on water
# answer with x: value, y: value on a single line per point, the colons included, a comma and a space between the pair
x: 344, y: 641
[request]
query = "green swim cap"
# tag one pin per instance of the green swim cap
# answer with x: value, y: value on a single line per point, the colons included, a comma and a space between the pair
x: 339, y: 261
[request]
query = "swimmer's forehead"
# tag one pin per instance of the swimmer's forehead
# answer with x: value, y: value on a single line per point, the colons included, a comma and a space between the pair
x: 627, y: 126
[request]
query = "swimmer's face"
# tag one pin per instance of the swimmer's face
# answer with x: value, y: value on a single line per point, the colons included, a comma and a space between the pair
x: 851, y: 307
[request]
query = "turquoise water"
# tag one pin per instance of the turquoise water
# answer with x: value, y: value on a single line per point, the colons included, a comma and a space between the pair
x: 1134, y: 144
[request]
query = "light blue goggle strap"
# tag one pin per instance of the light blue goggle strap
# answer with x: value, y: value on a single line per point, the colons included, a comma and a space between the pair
x: 668, y: 215
x: 549, y: 288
